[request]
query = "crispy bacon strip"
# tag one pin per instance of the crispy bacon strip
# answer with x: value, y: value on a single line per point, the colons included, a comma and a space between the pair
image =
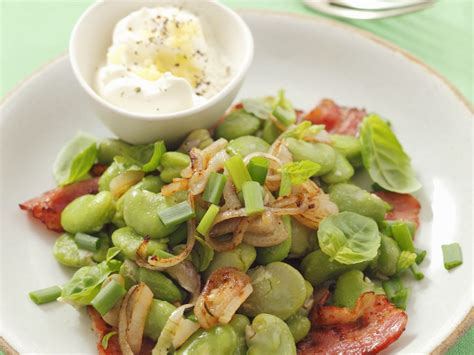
x: 404, y: 206
x: 337, y: 119
x: 48, y: 207
x: 98, y: 169
x: 370, y: 327
x: 101, y: 328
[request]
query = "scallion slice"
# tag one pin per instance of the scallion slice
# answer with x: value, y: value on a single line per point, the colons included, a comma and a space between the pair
x: 206, y: 222
x: 253, y: 198
x: 238, y: 171
x: 176, y: 214
x: 258, y: 169
x: 401, y: 233
x: 87, y: 242
x: 108, y: 297
x: 417, y: 273
x: 287, y: 117
x: 45, y: 295
x: 215, y: 186
x: 452, y: 255
x: 420, y: 255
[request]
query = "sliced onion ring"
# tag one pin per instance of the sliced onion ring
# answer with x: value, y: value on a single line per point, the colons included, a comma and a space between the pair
x: 226, y: 245
x: 177, y: 185
x: 121, y: 183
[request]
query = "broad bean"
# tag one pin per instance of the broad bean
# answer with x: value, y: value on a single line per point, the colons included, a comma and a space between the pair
x: 140, y: 211
x: 237, y: 124
x: 352, y: 198
x: 172, y: 163
x: 129, y: 272
x: 240, y: 258
x: 349, y: 146
x: 299, y: 326
x: 220, y: 339
x: 303, y: 240
x: 150, y: 183
x: 247, y: 144
x: 161, y: 286
x: 386, y: 261
x: 341, y: 172
x: 278, y: 289
x: 270, y: 335
x: 240, y: 322
x: 277, y: 252
x: 88, y: 213
x: 157, y: 317
x: 109, y: 174
x: 270, y: 132
x: 67, y: 252
x: 128, y: 241
x: 318, y: 268
x: 349, y: 287
x: 110, y: 148
x: 320, y: 153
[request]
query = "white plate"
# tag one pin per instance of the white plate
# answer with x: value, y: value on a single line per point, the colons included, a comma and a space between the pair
x: 311, y: 59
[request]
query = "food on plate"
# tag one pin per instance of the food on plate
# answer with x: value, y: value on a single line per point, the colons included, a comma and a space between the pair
x: 162, y: 60
x: 250, y: 238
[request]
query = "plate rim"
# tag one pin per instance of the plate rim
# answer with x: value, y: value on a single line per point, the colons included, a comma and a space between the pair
x: 468, y: 319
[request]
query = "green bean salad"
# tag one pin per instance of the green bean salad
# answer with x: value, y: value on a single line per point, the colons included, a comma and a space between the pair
x: 248, y: 238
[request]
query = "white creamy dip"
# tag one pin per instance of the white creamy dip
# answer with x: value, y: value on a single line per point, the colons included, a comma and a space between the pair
x: 161, y: 61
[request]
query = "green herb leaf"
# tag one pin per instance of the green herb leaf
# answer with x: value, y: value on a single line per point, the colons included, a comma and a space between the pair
x: 112, y: 253
x: 258, y: 107
x: 405, y: 260
x: 159, y: 149
x: 106, y: 338
x: 300, y: 171
x: 349, y: 238
x: 384, y: 158
x: 75, y: 159
x: 85, y: 283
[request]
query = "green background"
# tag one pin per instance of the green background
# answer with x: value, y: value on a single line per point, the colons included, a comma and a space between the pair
x: 34, y: 32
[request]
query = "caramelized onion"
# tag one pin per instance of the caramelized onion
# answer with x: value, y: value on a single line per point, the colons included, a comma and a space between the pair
x: 199, y: 178
x: 224, y: 292
x: 121, y: 183
x: 238, y: 226
x: 231, y: 200
x: 276, y: 235
x: 186, y: 275
x: 176, y: 186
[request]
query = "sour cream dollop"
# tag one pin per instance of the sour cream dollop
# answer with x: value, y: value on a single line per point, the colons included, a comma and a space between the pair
x: 161, y: 61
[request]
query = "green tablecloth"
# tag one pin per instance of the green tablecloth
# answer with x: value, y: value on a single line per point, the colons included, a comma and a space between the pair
x: 33, y: 32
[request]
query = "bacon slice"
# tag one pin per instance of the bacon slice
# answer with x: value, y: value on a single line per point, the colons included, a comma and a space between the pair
x: 113, y: 348
x: 98, y: 169
x: 337, y: 119
x: 48, y: 207
x: 370, y: 327
x: 404, y: 206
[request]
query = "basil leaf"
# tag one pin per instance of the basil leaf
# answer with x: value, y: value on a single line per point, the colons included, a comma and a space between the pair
x: 349, y: 238
x: 85, y: 283
x: 384, y: 158
x: 75, y: 159
x: 300, y: 171
x: 258, y: 107
x: 159, y: 149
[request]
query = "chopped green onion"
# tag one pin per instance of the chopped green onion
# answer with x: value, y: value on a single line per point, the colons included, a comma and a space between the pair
x: 285, y: 116
x: 401, y: 233
x: 396, y: 293
x: 238, y: 171
x: 108, y: 297
x: 176, y: 214
x: 401, y: 298
x: 159, y: 149
x: 206, y: 222
x: 258, y: 169
x: 106, y: 338
x: 87, y: 242
x: 387, y: 227
x: 452, y: 255
x: 417, y: 273
x: 420, y: 255
x: 45, y: 295
x: 285, y: 184
x: 253, y: 197
x: 215, y: 186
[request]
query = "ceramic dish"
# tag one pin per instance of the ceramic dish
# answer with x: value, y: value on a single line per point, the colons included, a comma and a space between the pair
x: 311, y: 59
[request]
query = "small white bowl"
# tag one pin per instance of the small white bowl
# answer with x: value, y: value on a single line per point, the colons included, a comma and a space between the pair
x: 92, y: 36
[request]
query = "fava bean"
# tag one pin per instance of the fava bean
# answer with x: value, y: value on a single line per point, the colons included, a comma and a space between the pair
x: 299, y: 326
x: 317, y: 268
x: 150, y: 183
x: 172, y: 163
x: 140, y: 211
x: 303, y: 240
x: 341, y: 172
x: 199, y: 138
x: 239, y: 323
x: 129, y: 272
x: 220, y: 339
x: 349, y: 146
x: 277, y: 252
x: 178, y: 236
x: 161, y: 286
x: 109, y: 174
x: 240, y: 258
x: 247, y: 144
x: 270, y: 335
x: 352, y: 198
x: 386, y: 261
x: 320, y: 153
x: 237, y: 124
x: 117, y: 219
x: 158, y: 315
x: 128, y: 241
x: 67, y: 252
x: 111, y: 148
x: 88, y: 213
x: 278, y: 289
x: 270, y: 132
x: 349, y: 287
